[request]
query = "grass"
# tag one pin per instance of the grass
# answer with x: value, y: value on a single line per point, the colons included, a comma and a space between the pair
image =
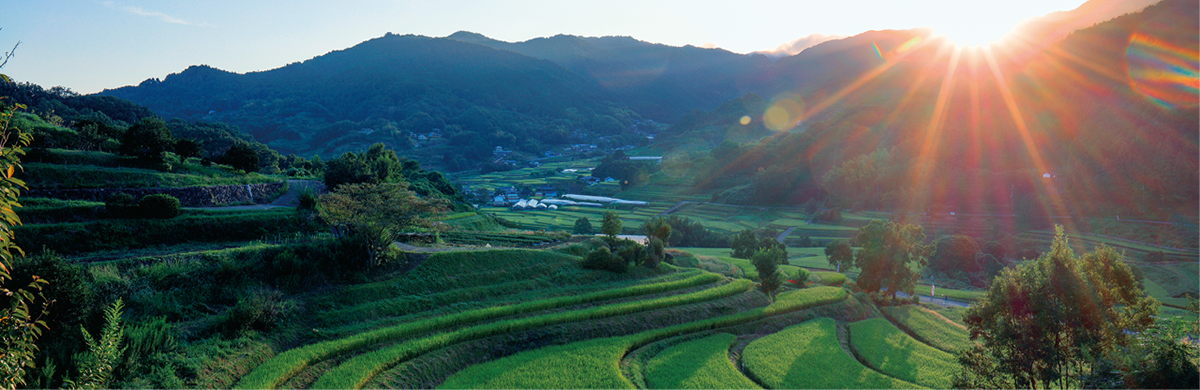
x: 356, y: 372
x: 697, y: 364
x: 808, y: 356
x: 283, y: 366
x: 929, y: 327
x: 595, y: 363
x: 829, y: 278
x: 49, y: 176
x: 891, y: 351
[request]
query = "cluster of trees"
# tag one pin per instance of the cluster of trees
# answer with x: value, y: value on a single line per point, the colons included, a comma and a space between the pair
x: 745, y: 244
x: 379, y: 165
x: 1075, y: 321
x: 618, y: 253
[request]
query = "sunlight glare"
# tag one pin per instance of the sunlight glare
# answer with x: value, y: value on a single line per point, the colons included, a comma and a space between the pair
x: 745, y: 120
x: 785, y: 112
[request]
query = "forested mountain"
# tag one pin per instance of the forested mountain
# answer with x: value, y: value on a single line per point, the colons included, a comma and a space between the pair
x: 390, y: 88
x: 1108, y: 110
x: 658, y: 81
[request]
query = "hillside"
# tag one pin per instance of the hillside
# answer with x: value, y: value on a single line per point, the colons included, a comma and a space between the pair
x: 1101, y: 111
x: 390, y: 89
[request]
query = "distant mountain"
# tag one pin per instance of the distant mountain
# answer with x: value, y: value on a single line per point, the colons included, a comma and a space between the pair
x: 1053, y: 27
x: 388, y: 88
x: 658, y: 81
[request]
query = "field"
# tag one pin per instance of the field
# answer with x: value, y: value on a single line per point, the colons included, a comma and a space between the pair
x: 697, y: 364
x: 808, y: 356
x: 929, y: 327
x: 891, y: 351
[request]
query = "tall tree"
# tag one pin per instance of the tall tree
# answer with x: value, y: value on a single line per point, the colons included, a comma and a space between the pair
x: 583, y: 226
x: 766, y: 261
x: 376, y: 214
x: 147, y: 139
x: 839, y: 253
x: 889, y: 254
x: 1041, y: 323
x: 611, y: 226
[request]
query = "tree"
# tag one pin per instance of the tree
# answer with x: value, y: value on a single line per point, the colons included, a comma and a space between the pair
x: 241, y: 156
x: 839, y: 253
x: 744, y: 244
x: 20, y: 320
x: 147, y: 139
x: 1042, y: 323
x: 766, y: 261
x: 187, y: 148
x: 376, y: 214
x: 888, y: 255
x: 611, y: 226
x: 956, y: 252
x: 658, y: 227
x: 583, y: 226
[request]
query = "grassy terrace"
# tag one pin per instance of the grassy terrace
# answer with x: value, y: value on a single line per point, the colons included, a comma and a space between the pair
x: 360, y: 369
x: 929, y: 327
x: 808, y: 356
x: 595, y: 363
x: 49, y: 176
x: 697, y: 364
x: 891, y: 351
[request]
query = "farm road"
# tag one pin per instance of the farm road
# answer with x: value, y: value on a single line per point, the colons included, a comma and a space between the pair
x: 936, y: 301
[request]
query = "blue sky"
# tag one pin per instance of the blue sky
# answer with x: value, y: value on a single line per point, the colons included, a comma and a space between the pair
x: 92, y: 45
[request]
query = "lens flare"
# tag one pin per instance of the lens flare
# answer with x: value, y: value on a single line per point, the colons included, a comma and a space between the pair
x: 745, y: 120
x: 785, y: 112
x: 1165, y: 74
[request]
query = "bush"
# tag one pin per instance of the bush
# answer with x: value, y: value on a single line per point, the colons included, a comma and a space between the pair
x: 603, y: 259
x: 121, y: 205
x: 159, y: 206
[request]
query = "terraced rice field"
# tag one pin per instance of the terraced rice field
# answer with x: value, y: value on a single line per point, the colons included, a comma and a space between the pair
x: 808, y: 356
x: 535, y: 319
x: 697, y: 364
x: 929, y: 327
x: 595, y: 363
x: 888, y: 349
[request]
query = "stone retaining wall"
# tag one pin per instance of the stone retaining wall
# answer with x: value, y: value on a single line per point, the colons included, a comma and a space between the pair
x: 188, y: 196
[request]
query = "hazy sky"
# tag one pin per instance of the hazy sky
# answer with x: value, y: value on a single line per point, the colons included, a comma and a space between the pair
x: 92, y: 45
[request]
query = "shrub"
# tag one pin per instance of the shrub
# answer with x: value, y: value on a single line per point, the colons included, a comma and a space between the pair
x: 603, y: 259
x: 120, y: 205
x: 159, y: 206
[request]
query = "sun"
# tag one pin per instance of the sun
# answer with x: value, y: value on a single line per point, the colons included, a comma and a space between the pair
x: 974, y: 32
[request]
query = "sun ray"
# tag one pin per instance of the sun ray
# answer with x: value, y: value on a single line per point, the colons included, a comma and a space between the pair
x: 931, y: 136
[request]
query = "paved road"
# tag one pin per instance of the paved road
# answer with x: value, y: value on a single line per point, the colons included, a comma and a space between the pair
x: 936, y: 301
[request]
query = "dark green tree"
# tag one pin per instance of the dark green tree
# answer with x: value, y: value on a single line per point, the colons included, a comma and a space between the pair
x: 583, y: 226
x: 187, y: 148
x: 744, y: 244
x: 242, y: 157
x: 766, y: 261
x: 611, y: 226
x: 657, y: 227
x: 889, y: 254
x: 147, y: 139
x: 839, y: 253
x: 956, y: 252
x: 1043, y: 323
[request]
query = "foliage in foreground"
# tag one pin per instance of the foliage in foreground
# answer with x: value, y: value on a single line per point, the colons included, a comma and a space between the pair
x: 891, y: 351
x: 595, y: 363
x: 808, y: 356
x: 697, y: 364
